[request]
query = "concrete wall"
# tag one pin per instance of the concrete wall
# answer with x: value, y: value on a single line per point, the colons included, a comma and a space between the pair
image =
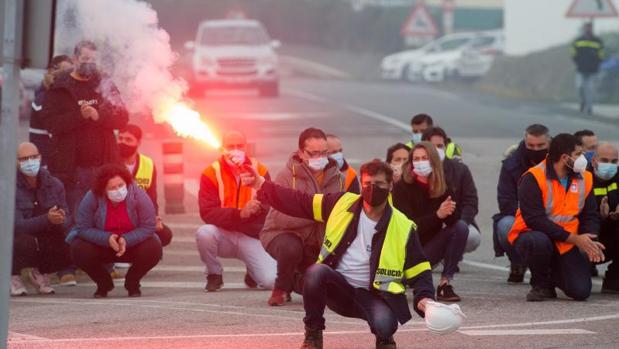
x: 533, y: 25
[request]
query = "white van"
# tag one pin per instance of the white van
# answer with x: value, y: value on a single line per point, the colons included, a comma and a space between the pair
x: 234, y: 53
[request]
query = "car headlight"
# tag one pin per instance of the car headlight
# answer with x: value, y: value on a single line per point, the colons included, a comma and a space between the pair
x: 207, y: 61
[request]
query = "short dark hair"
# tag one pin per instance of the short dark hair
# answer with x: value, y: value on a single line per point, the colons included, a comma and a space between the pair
x: 376, y: 166
x: 563, y: 143
x: 56, y: 60
x: 537, y: 130
x: 84, y: 44
x: 392, y: 149
x: 310, y: 133
x: 107, y: 172
x: 422, y: 118
x: 584, y: 133
x: 435, y: 131
x: 135, y: 130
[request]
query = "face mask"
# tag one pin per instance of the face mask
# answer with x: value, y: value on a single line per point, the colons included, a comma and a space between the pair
x: 237, y: 157
x: 318, y: 164
x: 87, y: 70
x: 30, y: 167
x: 339, y: 158
x: 606, y: 170
x: 441, y: 153
x: 536, y: 156
x: 579, y: 165
x: 397, y: 169
x: 374, y: 195
x: 126, y: 150
x: 589, y: 156
x: 118, y: 195
x: 416, y: 137
x: 422, y: 168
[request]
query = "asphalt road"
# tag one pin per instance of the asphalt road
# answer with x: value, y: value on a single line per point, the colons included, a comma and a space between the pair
x: 175, y: 312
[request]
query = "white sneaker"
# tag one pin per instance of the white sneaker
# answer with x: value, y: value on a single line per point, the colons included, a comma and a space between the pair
x: 122, y: 265
x: 17, y: 286
x: 41, y: 281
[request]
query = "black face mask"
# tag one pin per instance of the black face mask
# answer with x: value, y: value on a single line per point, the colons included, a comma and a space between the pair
x: 536, y: 156
x: 126, y: 150
x: 374, y: 195
x: 87, y: 70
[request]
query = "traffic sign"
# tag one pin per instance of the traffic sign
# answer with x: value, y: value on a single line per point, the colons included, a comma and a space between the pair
x: 592, y: 9
x: 420, y: 23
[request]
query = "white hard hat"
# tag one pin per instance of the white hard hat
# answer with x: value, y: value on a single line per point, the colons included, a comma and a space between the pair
x: 442, y: 318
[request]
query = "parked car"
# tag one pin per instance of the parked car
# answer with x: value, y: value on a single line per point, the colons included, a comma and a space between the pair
x: 477, y: 59
x: 234, y: 53
x: 437, y: 60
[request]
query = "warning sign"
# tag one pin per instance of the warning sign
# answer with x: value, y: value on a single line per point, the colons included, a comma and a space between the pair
x: 592, y: 9
x: 420, y: 23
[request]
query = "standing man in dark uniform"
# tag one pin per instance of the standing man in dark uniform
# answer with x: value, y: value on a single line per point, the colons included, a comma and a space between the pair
x: 587, y: 53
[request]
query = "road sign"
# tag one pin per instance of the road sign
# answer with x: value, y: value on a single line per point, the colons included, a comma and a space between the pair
x: 419, y: 23
x: 592, y: 9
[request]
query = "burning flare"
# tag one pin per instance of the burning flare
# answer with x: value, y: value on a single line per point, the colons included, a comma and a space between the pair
x: 187, y: 123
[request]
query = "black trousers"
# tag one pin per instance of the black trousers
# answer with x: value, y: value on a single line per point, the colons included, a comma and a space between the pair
x: 609, y: 237
x: 292, y: 260
x: 93, y: 258
x: 47, y: 251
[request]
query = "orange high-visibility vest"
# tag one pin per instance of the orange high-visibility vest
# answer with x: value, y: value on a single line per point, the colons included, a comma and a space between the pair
x: 231, y: 193
x: 351, y: 176
x: 562, y: 207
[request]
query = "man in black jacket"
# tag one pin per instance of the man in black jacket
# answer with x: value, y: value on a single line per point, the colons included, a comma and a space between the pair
x: 460, y: 180
x: 81, y: 110
x: 530, y: 152
x: 587, y: 53
x: 357, y: 274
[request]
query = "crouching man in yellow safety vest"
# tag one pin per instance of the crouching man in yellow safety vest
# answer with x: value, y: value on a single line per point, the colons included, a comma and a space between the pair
x: 370, y: 253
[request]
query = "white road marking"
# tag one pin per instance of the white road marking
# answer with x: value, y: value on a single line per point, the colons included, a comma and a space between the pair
x: 540, y: 332
x: 20, y: 337
x: 192, y: 268
x: 186, y: 239
x: 180, y: 253
x: 192, y: 186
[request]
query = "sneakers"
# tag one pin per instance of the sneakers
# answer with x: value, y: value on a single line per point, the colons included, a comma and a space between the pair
x: 67, y: 280
x: 102, y: 291
x: 214, y: 282
x: 17, y: 286
x: 279, y: 297
x: 516, y: 275
x: 538, y: 294
x: 313, y: 339
x: 249, y: 281
x: 40, y: 281
x: 610, y: 286
x: 382, y: 343
x: 445, y: 293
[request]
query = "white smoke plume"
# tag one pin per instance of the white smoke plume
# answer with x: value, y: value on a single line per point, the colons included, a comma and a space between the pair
x: 133, y: 50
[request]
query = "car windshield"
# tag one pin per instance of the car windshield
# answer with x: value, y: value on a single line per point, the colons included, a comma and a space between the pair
x: 233, y: 35
x: 483, y: 41
x: 453, y: 44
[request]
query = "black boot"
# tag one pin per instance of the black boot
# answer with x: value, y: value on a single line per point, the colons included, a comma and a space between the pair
x: 382, y: 343
x: 313, y: 339
x: 214, y: 282
x: 516, y: 274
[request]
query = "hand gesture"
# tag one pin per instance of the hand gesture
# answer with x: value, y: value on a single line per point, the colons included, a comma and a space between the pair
x: 604, y: 208
x: 585, y: 243
x: 113, y: 242
x: 88, y: 112
x: 56, y: 216
x: 252, y: 208
x: 614, y: 215
x: 251, y: 178
x: 158, y: 223
x: 122, y: 246
x: 447, y: 208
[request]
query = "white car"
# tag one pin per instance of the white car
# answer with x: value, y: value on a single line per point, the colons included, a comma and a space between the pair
x: 435, y: 61
x: 477, y: 60
x: 234, y: 53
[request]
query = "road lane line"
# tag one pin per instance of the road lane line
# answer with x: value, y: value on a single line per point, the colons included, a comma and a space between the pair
x: 21, y: 337
x: 540, y: 332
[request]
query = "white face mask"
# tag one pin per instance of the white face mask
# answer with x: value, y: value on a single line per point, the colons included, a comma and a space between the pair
x: 318, y: 164
x: 236, y: 157
x: 422, y: 168
x: 30, y: 167
x: 397, y: 169
x: 441, y: 153
x: 339, y: 158
x: 417, y: 137
x: 580, y: 164
x: 117, y: 195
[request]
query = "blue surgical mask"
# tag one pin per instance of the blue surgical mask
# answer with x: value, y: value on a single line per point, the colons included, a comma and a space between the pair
x: 318, y: 164
x: 589, y: 156
x: 417, y: 137
x: 117, y: 195
x: 422, y: 168
x: 30, y: 167
x: 606, y: 170
x: 339, y: 158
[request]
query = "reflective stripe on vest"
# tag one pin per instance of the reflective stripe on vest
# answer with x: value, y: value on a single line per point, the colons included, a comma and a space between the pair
x: 390, y: 273
x: 564, y: 213
x: 144, y: 176
x: 451, y: 150
x: 605, y: 191
x: 221, y: 187
x: 588, y: 44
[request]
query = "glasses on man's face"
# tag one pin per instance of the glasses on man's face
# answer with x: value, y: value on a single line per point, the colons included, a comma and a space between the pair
x: 29, y: 157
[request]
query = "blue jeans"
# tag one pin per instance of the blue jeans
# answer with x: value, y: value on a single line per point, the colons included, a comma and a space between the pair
x: 569, y: 272
x: 326, y: 287
x: 448, y: 245
x: 504, y: 225
x: 585, y: 87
